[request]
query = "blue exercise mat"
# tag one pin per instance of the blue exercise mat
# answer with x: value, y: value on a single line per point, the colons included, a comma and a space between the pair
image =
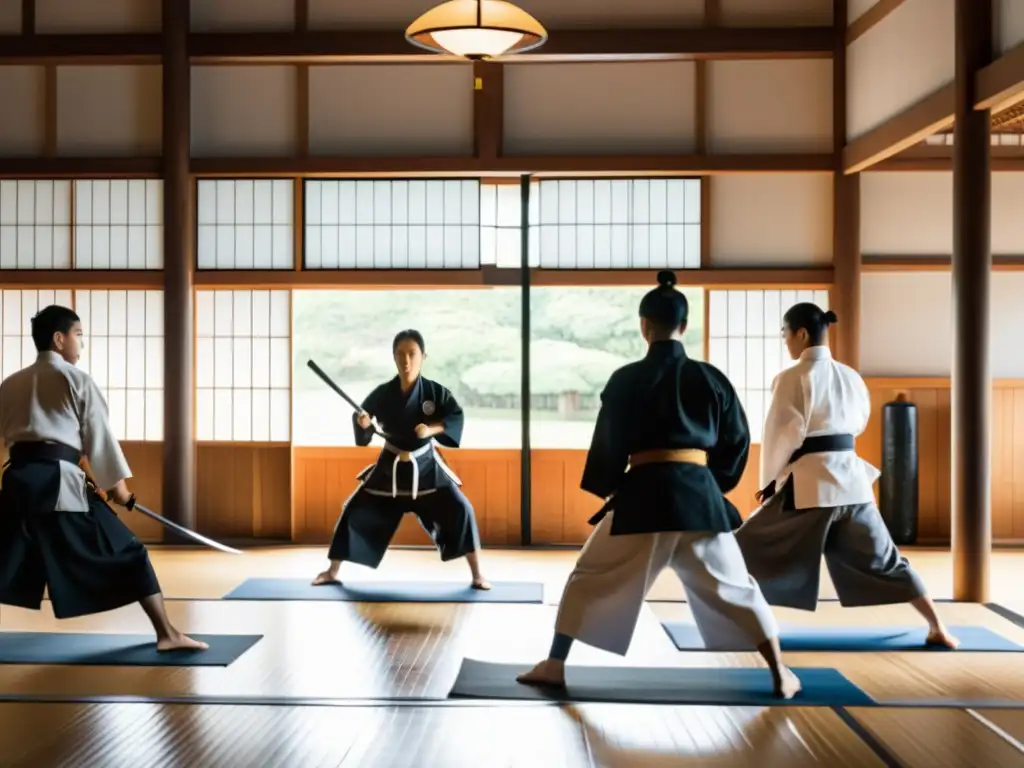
x: 389, y: 591
x: 856, y: 639
x: 722, y: 686
x: 95, y: 649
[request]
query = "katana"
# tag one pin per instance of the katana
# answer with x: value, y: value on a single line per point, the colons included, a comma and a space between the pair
x: 133, y: 505
x: 330, y: 383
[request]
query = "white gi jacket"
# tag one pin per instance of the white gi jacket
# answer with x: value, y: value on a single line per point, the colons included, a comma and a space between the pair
x: 53, y: 401
x: 817, y: 396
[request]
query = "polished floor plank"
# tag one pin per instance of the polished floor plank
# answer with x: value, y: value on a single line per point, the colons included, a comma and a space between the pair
x: 938, y: 738
x: 196, y: 573
x: 363, y: 651
x: 610, y: 736
x: 1008, y: 722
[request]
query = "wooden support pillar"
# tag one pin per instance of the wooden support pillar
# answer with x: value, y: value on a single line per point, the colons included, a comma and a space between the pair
x: 179, y: 482
x: 972, y: 270
x: 845, y: 295
x: 488, y: 109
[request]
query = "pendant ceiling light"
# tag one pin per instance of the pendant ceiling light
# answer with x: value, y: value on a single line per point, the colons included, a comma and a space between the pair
x: 476, y: 29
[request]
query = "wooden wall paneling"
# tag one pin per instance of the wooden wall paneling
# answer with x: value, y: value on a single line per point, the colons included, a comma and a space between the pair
x: 243, y: 490
x: 326, y: 477
x: 146, y: 460
x: 1017, y: 466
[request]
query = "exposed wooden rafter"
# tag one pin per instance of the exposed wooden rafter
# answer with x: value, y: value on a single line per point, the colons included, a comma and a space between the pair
x: 485, y: 277
x: 371, y: 46
x: 1000, y: 88
x: 1000, y: 85
x: 869, y: 19
x: 415, y: 166
x: 932, y: 263
x: 930, y: 115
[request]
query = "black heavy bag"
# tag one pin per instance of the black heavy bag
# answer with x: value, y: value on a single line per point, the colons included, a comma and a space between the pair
x: 897, y: 488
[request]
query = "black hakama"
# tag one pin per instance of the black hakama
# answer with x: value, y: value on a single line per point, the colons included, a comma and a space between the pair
x: 409, y: 476
x: 89, y: 561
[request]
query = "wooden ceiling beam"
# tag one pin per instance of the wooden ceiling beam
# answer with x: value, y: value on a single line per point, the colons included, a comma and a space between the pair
x: 371, y: 46
x: 1007, y: 263
x: 550, y: 166
x: 81, y: 167
x: 930, y: 115
x: 539, y: 165
x: 1003, y: 159
x: 1000, y: 85
x: 40, y: 49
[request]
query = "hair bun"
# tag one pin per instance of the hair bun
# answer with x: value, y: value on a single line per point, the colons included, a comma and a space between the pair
x: 830, y: 317
x: 667, y: 278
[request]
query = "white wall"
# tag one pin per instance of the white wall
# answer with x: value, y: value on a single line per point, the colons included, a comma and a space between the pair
x: 898, y: 62
x: 643, y: 108
x: 109, y: 111
x: 1009, y: 23
x: 907, y: 324
x: 22, y: 125
x: 911, y: 214
x: 392, y: 110
x: 243, y: 111
x: 771, y: 219
x: 770, y: 106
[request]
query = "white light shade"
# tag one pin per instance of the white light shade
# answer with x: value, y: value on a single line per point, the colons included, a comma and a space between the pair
x: 476, y: 29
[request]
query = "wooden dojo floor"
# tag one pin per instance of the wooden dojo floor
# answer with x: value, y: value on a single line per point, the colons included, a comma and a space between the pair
x: 356, y: 684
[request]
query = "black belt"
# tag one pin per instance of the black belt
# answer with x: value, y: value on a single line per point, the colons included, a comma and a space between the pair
x: 24, y: 453
x: 815, y: 444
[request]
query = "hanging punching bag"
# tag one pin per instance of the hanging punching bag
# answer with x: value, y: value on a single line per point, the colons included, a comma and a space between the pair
x: 897, y: 488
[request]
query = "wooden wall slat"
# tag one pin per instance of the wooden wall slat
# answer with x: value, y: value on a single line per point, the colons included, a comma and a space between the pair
x: 326, y: 477
x: 249, y: 491
x: 233, y: 480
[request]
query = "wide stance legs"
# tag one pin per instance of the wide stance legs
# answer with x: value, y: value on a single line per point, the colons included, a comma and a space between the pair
x: 605, y: 593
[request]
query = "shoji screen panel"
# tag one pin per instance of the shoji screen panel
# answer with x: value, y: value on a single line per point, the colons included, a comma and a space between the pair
x: 745, y: 342
x: 616, y: 223
x: 392, y: 224
x: 35, y: 224
x: 119, y: 224
x: 243, y: 366
x: 246, y: 224
x: 124, y: 354
x: 16, y: 311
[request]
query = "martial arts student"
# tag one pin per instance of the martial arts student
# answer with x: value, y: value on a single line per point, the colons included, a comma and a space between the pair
x: 409, y: 475
x: 54, y: 531
x: 817, y: 493
x: 678, y: 427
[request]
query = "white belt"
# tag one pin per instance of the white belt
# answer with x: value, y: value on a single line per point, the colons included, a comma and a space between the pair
x: 411, y: 457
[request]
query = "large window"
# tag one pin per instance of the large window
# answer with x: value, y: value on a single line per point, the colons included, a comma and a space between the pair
x: 392, y: 224
x: 616, y: 223
x: 35, y: 224
x: 243, y: 377
x: 124, y: 354
x: 579, y: 336
x: 118, y: 224
x: 745, y: 342
x: 16, y: 311
x: 246, y: 224
x: 473, y: 341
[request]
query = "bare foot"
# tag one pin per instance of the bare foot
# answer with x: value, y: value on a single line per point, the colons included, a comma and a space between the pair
x: 326, y: 578
x: 179, y: 642
x: 481, y: 583
x: 942, y: 637
x: 788, y: 685
x: 549, y: 673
